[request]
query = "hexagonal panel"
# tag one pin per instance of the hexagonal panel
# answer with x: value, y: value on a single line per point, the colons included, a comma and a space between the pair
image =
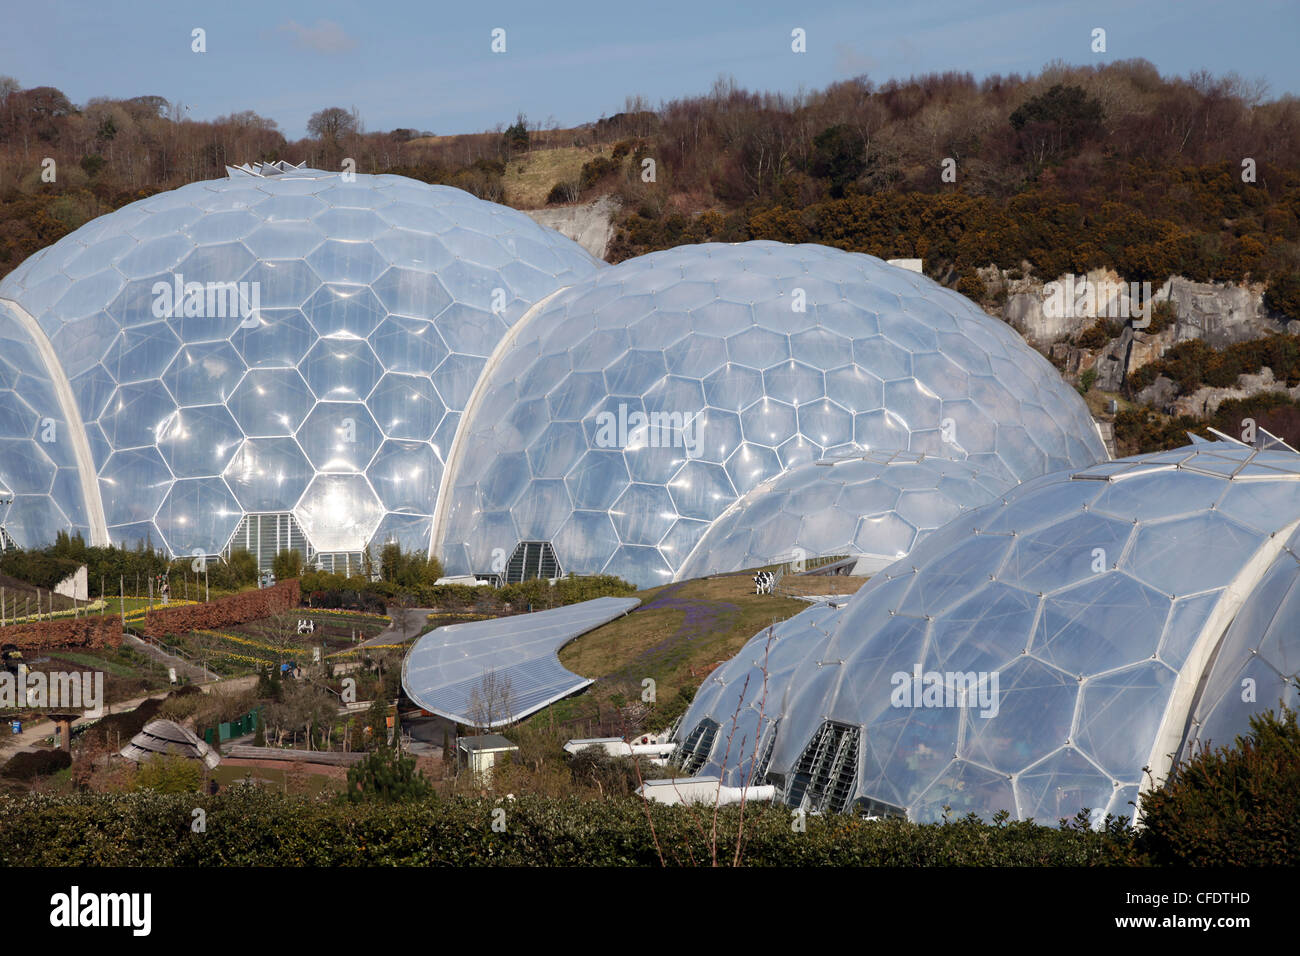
x: 339, y: 436
x: 198, y: 516
x: 198, y: 441
x: 271, y: 401
x: 268, y: 474
x: 339, y: 513
x: 341, y: 369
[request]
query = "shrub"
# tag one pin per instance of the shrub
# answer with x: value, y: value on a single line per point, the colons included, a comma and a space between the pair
x: 611, y: 776
x: 43, y: 568
x: 407, y: 569
x: 1163, y: 315
x: 1193, y: 363
x: 36, y: 763
x: 972, y: 286
x: 95, y: 632
x: 1283, y: 294
x: 235, y: 609
x: 1275, y: 412
x: 249, y: 826
x: 1096, y: 336
x: 169, y: 774
x: 1140, y: 430
x: 594, y: 170
x: 243, y: 566
x: 386, y: 776
x: 287, y: 564
x: 1236, y: 805
x: 563, y: 192
x: 177, y: 707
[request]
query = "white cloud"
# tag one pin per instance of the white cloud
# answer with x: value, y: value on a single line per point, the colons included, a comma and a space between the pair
x: 325, y: 36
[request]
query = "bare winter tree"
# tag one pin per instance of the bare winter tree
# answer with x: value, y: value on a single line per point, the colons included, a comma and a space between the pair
x: 491, y: 703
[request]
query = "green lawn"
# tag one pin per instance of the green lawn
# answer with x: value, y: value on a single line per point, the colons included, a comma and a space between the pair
x: 106, y: 663
x: 677, y: 637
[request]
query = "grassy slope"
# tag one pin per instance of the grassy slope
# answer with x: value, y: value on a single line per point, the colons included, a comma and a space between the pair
x: 22, y: 598
x: 529, y: 177
x: 678, y: 635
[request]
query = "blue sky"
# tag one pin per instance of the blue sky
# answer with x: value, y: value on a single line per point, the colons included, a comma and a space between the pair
x: 427, y: 64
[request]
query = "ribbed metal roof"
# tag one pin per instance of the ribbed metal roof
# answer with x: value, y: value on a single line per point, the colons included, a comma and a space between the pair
x: 491, y: 673
x: 168, y: 738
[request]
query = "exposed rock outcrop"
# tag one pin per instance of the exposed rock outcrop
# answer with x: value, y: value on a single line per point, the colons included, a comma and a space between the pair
x: 1221, y: 313
x: 590, y: 225
x: 1205, y: 401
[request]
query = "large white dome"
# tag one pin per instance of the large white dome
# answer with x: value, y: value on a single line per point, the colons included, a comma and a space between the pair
x: 332, y: 398
x: 626, y: 413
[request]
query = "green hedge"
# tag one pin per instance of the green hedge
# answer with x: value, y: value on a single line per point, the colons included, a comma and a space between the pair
x: 249, y: 827
x: 1236, y: 805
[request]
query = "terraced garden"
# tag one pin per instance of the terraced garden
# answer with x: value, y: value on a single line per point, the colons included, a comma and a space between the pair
x: 247, y: 648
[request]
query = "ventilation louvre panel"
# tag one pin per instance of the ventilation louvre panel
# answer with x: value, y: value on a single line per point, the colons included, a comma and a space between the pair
x: 826, y: 773
x: 695, y: 751
x: 532, y: 559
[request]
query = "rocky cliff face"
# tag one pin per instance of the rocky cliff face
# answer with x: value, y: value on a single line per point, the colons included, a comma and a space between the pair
x: 1205, y: 401
x: 590, y: 225
x: 1221, y: 313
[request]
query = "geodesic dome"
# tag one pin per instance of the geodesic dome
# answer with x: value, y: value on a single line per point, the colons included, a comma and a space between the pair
x: 874, y: 506
x: 1036, y: 654
x: 626, y: 413
x: 287, y: 342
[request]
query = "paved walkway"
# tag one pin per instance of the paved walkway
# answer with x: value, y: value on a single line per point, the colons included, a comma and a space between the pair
x: 414, y: 619
x: 196, y: 673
